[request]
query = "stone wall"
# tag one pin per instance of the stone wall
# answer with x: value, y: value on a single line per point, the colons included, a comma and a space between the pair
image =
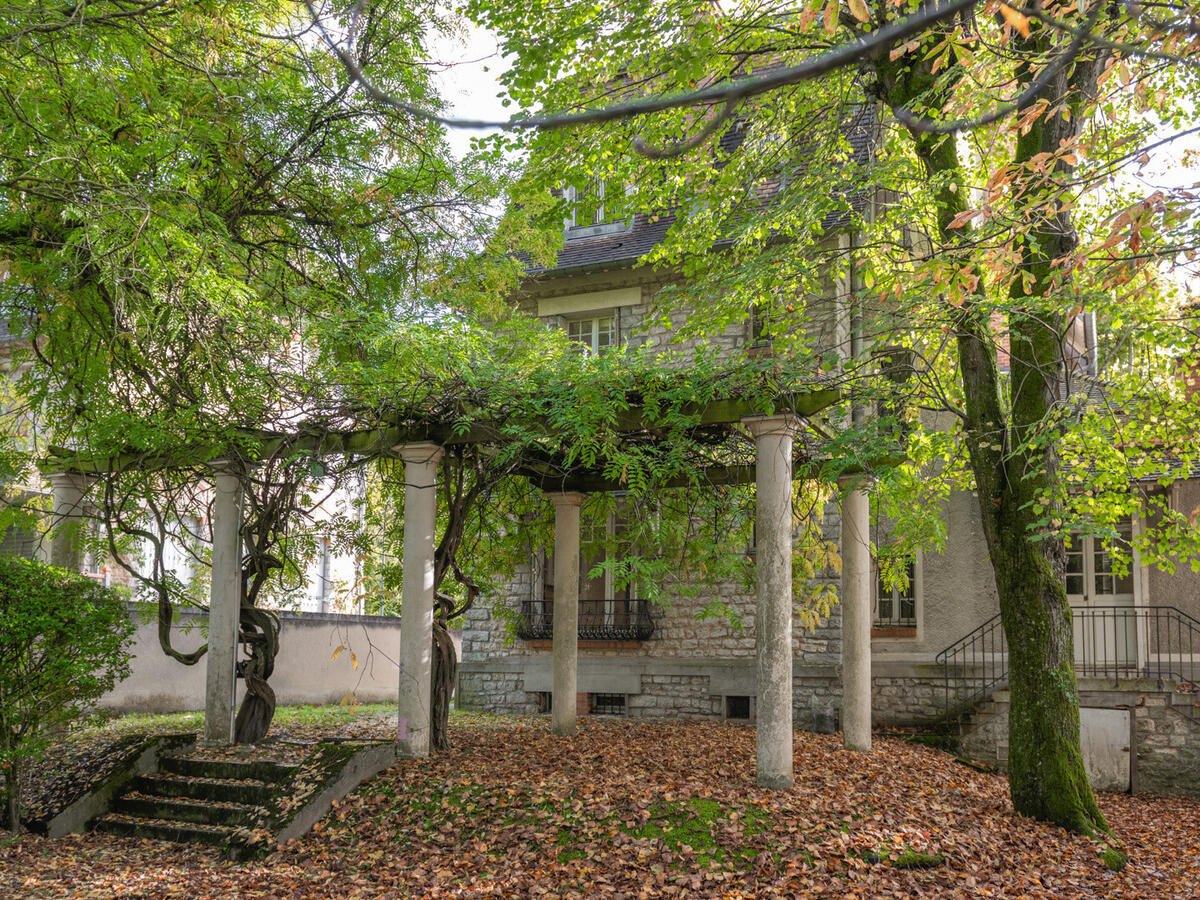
x: 1167, y: 728
x: 500, y: 692
x: 1165, y: 732
x: 914, y: 698
x: 675, y: 696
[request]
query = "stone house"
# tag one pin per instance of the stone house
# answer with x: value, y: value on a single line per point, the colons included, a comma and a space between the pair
x: 936, y: 649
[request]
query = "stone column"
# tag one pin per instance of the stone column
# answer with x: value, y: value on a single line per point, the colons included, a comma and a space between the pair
x: 224, y: 603
x: 856, y: 618
x: 773, y: 594
x: 67, y: 522
x: 416, y: 597
x: 565, y: 653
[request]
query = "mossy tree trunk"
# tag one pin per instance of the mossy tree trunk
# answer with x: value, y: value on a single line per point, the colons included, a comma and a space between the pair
x: 1011, y: 446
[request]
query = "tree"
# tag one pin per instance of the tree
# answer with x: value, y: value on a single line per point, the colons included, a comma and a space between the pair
x: 201, y: 220
x: 1025, y: 81
x: 64, y: 642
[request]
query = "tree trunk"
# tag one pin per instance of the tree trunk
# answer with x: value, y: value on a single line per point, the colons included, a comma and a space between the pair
x: 1013, y: 459
x: 12, y: 791
x: 1046, y: 774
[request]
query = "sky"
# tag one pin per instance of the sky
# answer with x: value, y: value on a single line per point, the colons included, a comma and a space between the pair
x: 471, y: 85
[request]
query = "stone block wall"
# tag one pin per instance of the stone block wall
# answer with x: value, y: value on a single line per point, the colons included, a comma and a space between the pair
x: 674, y: 696
x: 902, y: 700
x: 1167, y: 726
x: 678, y: 633
x: 498, y: 692
x: 1166, y: 733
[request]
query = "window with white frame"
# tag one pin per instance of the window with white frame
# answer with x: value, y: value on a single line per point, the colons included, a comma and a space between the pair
x: 895, y: 592
x: 594, y: 334
x: 592, y: 209
x: 1091, y: 575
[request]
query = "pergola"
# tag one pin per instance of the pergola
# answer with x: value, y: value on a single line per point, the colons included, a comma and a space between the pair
x: 773, y: 427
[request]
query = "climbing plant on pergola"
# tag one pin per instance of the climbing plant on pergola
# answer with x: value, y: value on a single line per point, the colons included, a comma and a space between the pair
x: 635, y: 427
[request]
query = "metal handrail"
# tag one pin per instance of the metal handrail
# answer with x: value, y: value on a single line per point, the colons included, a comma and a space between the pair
x: 1113, y: 642
x: 599, y: 620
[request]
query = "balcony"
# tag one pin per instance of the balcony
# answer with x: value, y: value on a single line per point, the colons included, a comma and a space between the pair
x: 599, y: 620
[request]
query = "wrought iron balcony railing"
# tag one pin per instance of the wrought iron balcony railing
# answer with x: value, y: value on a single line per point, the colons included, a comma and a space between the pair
x: 599, y: 620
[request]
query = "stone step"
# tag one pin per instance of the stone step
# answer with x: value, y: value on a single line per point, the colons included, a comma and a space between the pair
x: 162, y: 830
x: 220, y: 790
x: 144, y: 806
x: 199, y: 767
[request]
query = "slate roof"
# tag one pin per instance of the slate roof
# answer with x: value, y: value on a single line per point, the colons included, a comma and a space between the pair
x: 619, y: 249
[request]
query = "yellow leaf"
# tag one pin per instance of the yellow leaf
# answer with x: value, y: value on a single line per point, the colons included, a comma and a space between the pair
x: 858, y: 9
x: 353, y: 661
x: 1017, y: 20
x: 337, y: 652
x: 831, y: 15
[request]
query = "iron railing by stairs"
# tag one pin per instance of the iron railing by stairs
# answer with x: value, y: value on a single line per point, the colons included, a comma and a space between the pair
x: 1111, y: 642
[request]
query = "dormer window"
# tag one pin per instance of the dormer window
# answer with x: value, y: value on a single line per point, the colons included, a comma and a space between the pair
x: 592, y: 208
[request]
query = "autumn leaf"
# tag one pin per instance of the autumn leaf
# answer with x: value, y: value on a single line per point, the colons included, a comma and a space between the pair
x: 858, y: 9
x: 1018, y: 20
x: 831, y: 15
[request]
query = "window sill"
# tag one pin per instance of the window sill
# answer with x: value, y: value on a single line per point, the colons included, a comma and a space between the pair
x: 889, y: 632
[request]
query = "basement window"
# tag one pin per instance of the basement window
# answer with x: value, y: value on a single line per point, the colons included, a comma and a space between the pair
x: 737, y: 707
x: 607, y: 704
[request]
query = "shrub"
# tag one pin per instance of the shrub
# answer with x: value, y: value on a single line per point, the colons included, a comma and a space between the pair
x: 63, y: 643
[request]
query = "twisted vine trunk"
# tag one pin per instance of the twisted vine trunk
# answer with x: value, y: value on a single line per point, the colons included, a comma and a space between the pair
x: 443, y: 676
x: 260, y: 633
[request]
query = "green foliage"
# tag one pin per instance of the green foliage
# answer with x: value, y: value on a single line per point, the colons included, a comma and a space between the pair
x: 63, y: 643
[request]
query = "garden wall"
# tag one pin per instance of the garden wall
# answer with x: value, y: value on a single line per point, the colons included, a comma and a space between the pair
x: 305, y: 672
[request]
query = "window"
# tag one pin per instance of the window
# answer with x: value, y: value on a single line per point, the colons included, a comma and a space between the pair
x: 759, y: 334
x: 607, y: 704
x: 593, y: 208
x: 594, y: 335
x: 896, y: 605
x: 1089, y: 572
x: 607, y: 612
x: 737, y: 707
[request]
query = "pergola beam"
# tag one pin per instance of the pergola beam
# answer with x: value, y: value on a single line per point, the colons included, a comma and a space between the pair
x: 381, y: 441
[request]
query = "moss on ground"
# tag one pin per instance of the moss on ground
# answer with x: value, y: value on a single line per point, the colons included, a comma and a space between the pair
x: 911, y: 859
x: 1113, y: 858
x: 692, y: 823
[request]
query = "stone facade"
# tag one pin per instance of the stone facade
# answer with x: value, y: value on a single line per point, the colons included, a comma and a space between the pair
x: 705, y: 668
x: 686, y: 670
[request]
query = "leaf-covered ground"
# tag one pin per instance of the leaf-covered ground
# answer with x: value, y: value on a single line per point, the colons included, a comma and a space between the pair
x: 633, y: 809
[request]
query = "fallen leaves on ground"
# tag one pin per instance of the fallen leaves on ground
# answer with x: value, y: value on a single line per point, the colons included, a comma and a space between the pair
x: 640, y: 809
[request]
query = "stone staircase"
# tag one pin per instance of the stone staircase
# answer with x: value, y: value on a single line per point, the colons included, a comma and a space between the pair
x: 195, y: 799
